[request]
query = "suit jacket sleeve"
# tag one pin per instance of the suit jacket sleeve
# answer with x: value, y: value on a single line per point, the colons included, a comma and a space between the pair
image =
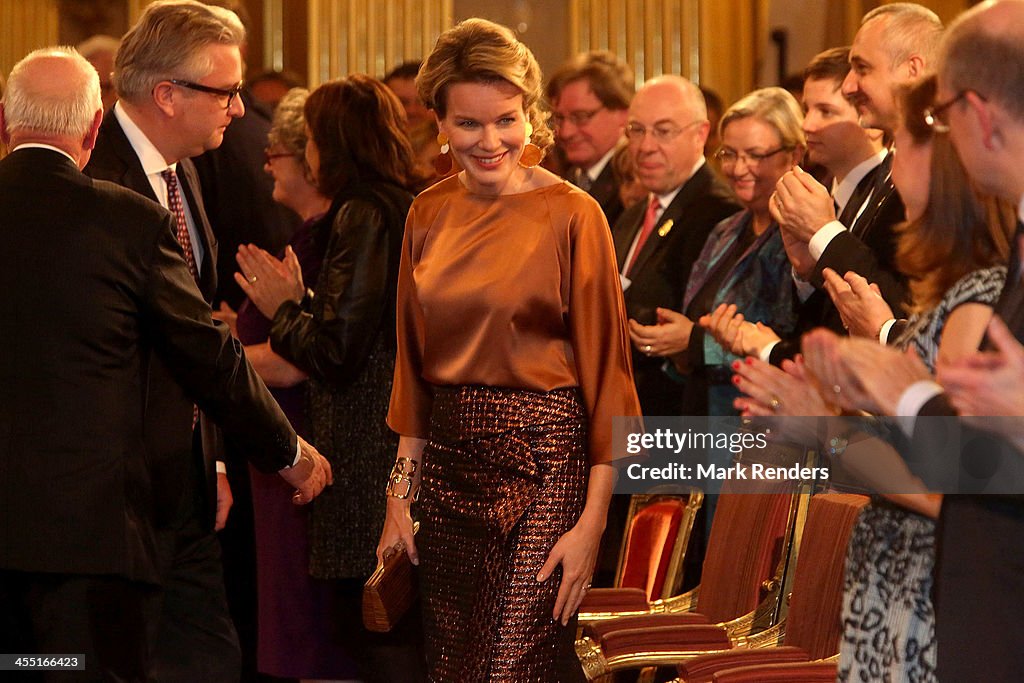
x: 354, y: 297
x: 210, y: 365
x: 953, y: 456
x: 847, y: 252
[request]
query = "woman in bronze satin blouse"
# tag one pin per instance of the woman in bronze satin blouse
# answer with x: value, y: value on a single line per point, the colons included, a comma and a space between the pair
x: 513, y: 358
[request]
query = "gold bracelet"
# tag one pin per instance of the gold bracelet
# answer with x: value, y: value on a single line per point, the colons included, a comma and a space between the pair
x: 403, y: 476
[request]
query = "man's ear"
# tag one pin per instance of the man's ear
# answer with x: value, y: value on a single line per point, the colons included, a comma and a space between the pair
x: 94, y: 130
x: 916, y: 66
x: 986, y: 120
x: 5, y: 137
x: 164, y: 95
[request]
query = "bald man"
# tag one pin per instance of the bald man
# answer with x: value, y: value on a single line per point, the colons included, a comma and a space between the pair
x: 666, y: 127
x: 98, y: 289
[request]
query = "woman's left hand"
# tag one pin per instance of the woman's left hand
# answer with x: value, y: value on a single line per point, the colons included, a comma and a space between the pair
x: 268, y: 282
x: 771, y: 391
x: 670, y: 336
x: 576, y: 551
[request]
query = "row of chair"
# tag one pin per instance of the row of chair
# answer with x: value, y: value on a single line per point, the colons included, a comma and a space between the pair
x: 767, y: 607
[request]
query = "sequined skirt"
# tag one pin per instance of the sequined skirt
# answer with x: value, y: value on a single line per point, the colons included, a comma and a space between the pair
x: 504, y: 477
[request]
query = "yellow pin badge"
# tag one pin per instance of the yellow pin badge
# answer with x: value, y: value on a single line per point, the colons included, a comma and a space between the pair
x: 665, y: 228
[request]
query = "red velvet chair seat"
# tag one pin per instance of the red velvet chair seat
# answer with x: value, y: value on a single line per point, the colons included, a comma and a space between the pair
x: 598, y: 630
x: 803, y: 672
x: 691, y: 638
x: 615, y: 600
x: 700, y: 669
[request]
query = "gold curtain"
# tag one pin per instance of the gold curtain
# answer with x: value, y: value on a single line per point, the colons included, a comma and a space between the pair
x: 371, y: 36
x: 27, y: 26
x: 717, y: 43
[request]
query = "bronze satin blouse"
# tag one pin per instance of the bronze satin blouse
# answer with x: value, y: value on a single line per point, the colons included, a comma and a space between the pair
x: 516, y: 291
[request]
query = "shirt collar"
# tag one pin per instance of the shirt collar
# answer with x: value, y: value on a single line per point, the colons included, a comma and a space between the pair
x: 842, y: 192
x: 597, y: 168
x: 665, y: 200
x: 43, y: 145
x: 149, y: 156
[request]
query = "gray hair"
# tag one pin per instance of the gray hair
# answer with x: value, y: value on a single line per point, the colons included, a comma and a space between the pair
x: 97, y: 44
x: 66, y: 111
x: 910, y: 29
x: 289, y: 126
x: 167, y: 42
x: 774, y: 106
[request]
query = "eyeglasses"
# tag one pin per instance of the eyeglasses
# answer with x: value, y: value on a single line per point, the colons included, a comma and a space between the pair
x: 728, y: 157
x: 662, y: 133
x: 230, y: 94
x: 937, y: 116
x: 270, y: 156
x: 580, y: 117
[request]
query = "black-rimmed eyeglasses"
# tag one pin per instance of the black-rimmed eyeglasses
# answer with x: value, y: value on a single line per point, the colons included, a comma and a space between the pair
x: 937, y: 115
x: 230, y: 94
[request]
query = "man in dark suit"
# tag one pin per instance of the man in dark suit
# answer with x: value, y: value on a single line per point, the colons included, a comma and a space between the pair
x: 589, y: 97
x: 980, y: 567
x: 657, y: 241
x: 895, y: 44
x: 865, y: 201
x: 98, y: 291
x: 177, y: 75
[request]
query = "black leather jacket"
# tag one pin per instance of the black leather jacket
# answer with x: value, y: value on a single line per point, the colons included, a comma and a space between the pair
x: 329, y: 334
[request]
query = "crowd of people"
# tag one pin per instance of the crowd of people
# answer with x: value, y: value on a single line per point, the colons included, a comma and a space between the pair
x: 441, y: 288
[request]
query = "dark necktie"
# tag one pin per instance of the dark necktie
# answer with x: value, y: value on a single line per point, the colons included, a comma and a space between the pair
x: 583, y: 180
x: 184, y: 239
x: 860, y: 195
x: 178, y: 209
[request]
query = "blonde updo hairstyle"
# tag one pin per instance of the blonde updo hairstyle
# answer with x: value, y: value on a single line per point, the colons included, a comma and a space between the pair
x: 480, y: 51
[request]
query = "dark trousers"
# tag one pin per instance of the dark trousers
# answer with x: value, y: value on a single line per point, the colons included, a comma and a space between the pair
x: 105, y: 618
x: 195, y: 639
x: 980, y: 590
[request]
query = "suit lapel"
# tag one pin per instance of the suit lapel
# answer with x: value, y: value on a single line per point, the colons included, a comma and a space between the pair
x: 189, y: 181
x: 129, y: 172
x: 603, y: 187
x: 624, y: 231
x: 694, y: 188
x: 882, y: 190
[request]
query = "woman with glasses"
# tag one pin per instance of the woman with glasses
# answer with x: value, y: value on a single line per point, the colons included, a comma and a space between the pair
x: 339, y: 333
x: 743, y: 261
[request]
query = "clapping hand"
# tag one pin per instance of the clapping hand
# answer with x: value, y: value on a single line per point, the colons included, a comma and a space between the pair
x: 267, y: 281
x: 735, y: 334
x: 860, y: 303
x: 801, y: 205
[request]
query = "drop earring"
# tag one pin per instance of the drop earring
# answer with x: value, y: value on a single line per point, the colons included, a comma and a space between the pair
x: 443, y: 161
x: 532, y: 154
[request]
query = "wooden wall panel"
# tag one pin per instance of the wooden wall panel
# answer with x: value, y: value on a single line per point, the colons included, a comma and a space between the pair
x: 371, y: 36
x: 26, y: 26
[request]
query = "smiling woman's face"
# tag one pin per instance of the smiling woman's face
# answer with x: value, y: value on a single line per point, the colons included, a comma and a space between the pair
x: 486, y: 129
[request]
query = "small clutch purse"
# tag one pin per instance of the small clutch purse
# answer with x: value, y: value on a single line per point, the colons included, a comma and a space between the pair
x: 390, y: 590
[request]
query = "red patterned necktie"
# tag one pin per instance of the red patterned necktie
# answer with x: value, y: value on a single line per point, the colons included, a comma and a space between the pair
x: 184, y: 239
x: 178, y: 209
x: 650, y: 219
